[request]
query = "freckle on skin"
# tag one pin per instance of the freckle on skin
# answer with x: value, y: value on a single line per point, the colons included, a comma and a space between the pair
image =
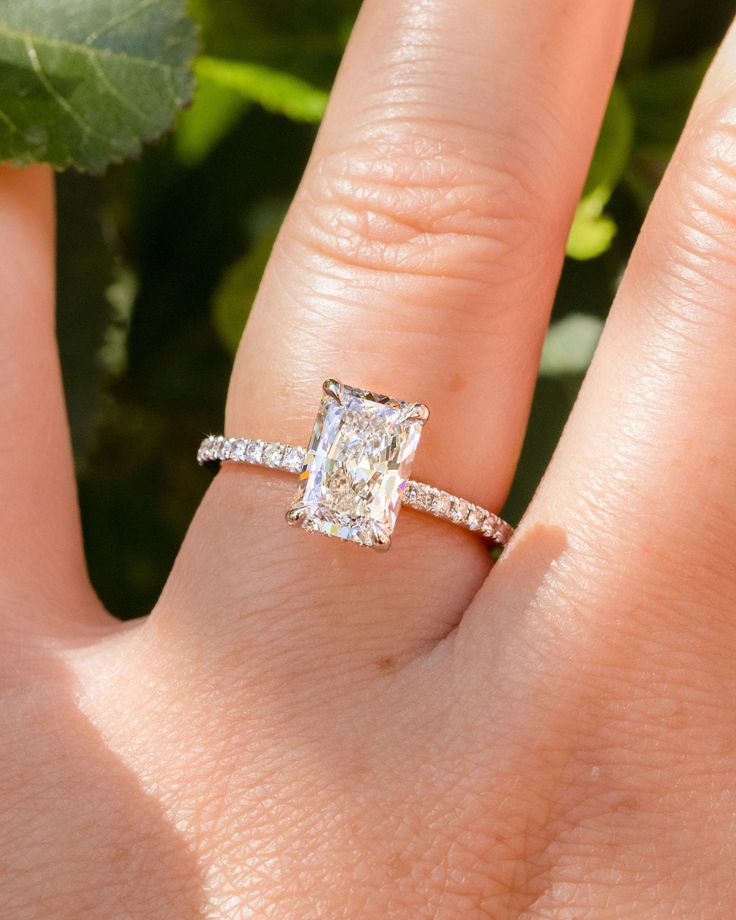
x: 386, y: 663
x: 398, y: 867
x: 627, y: 803
x: 456, y: 383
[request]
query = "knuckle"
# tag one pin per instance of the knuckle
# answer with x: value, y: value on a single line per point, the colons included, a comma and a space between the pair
x: 713, y: 157
x: 403, y: 200
x: 703, y: 192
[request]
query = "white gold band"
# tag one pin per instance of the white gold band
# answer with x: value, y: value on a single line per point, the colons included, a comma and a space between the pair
x: 217, y: 449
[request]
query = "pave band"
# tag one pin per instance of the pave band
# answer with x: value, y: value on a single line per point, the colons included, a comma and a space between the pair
x: 217, y: 449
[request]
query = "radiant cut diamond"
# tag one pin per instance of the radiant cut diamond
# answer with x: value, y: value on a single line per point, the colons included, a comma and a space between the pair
x: 357, y: 465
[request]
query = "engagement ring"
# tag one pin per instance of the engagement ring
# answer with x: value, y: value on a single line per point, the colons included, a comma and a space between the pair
x: 354, y: 474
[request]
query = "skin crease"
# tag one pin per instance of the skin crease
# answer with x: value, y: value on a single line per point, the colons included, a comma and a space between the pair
x: 302, y: 729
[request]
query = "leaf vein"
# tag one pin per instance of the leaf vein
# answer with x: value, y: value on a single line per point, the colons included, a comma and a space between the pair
x: 43, y: 40
x: 113, y: 91
x: 63, y: 103
x: 119, y: 20
x: 8, y: 121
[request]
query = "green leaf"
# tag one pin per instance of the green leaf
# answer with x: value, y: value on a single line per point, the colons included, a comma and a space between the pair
x: 661, y: 99
x: 275, y: 91
x: 224, y: 91
x: 86, y: 83
x: 569, y: 345
x: 237, y: 290
x: 613, y: 149
x: 213, y: 113
x: 592, y: 231
x: 305, y: 38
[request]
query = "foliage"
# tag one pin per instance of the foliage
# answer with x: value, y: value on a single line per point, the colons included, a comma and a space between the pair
x: 85, y: 84
x: 224, y: 90
x: 237, y: 290
x: 569, y: 345
x: 277, y: 92
x: 160, y: 258
x: 592, y: 231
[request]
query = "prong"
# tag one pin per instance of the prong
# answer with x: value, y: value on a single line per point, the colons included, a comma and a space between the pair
x: 420, y: 413
x: 333, y: 388
x: 382, y: 543
x: 294, y: 515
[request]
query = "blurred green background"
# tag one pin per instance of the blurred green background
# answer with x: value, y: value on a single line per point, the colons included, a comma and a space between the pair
x: 159, y: 259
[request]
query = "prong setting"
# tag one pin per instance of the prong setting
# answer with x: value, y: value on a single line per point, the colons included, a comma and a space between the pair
x: 333, y: 388
x: 354, y: 473
x: 295, y: 515
x: 359, y: 524
x: 419, y: 413
x: 381, y: 544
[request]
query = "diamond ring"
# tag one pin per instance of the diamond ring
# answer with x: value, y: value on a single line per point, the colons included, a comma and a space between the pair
x: 354, y: 474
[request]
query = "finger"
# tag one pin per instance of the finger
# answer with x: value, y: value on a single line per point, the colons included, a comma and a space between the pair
x: 644, y: 480
x: 610, y: 622
x: 420, y: 259
x: 423, y: 248
x: 40, y: 544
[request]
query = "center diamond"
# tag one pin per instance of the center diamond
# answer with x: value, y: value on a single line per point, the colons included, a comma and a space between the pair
x: 357, y: 465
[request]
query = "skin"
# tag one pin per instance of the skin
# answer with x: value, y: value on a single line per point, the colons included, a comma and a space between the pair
x: 304, y: 729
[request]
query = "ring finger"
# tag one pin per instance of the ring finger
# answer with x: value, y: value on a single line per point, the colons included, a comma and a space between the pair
x: 420, y: 258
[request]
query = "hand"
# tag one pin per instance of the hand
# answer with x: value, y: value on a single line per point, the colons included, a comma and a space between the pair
x: 305, y: 729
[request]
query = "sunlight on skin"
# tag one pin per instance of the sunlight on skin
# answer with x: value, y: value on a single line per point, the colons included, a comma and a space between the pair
x: 303, y: 729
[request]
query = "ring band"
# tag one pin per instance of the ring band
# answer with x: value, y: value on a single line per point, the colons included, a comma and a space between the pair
x: 353, y: 476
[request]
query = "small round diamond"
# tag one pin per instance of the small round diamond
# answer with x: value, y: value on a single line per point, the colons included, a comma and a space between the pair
x: 443, y: 504
x: 473, y: 521
x: 410, y: 493
x: 254, y: 451
x: 217, y: 448
x: 433, y: 500
x: 424, y: 497
x: 459, y: 510
x: 294, y: 459
x: 482, y: 515
x: 272, y: 455
x: 237, y: 450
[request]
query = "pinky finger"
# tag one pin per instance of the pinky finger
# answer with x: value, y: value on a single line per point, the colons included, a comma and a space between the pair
x: 643, y: 484
x: 42, y: 566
